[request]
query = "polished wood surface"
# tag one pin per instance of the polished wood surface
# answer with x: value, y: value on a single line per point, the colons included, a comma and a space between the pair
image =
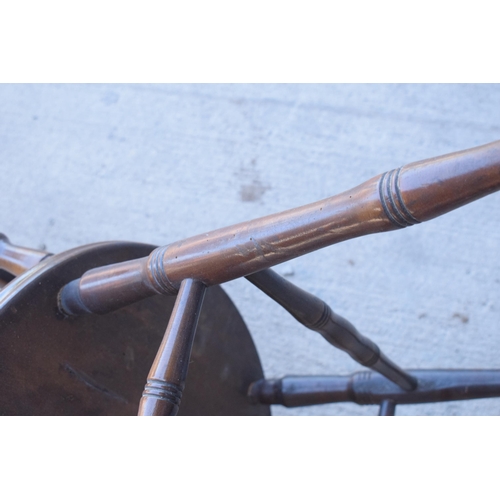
x: 15, y: 260
x: 396, y: 199
x: 167, y: 377
x: 430, y: 188
x: 316, y: 315
x: 98, y: 364
x: 369, y: 388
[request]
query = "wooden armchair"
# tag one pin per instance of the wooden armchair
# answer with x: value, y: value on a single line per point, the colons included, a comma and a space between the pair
x: 82, y: 329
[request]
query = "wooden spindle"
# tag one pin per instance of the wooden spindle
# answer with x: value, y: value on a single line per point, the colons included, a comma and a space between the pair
x: 166, y: 379
x: 369, y: 388
x: 396, y: 199
x: 15, y: 259
x: 387, y: 408
x: 316, y: 315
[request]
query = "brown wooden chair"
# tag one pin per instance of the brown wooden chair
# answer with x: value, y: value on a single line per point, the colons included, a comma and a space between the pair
x: 82, y: 331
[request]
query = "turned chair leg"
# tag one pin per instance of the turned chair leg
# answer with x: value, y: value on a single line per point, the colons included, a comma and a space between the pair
x: 163, y: 391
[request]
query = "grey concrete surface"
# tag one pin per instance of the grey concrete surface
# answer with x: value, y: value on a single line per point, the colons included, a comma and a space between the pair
x: 158, y: 163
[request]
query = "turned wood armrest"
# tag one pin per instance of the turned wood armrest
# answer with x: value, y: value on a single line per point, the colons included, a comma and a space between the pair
x: 399, y: 198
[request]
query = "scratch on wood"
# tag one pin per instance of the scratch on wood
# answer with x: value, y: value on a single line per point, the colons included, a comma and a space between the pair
x: 89, y: 382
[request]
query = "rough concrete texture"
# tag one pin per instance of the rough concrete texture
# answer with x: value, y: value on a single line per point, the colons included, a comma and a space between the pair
x: 149, y: 163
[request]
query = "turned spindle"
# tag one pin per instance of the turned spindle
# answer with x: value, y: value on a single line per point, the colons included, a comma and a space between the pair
x: 402, y: 197
x: 369, y: 388
x: 15, y: 259
x: 387, y: 408
x: 166, y: 379
x: 316, y: 315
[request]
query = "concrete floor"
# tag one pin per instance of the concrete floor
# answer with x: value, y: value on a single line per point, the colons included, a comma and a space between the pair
x: 158, y: 163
